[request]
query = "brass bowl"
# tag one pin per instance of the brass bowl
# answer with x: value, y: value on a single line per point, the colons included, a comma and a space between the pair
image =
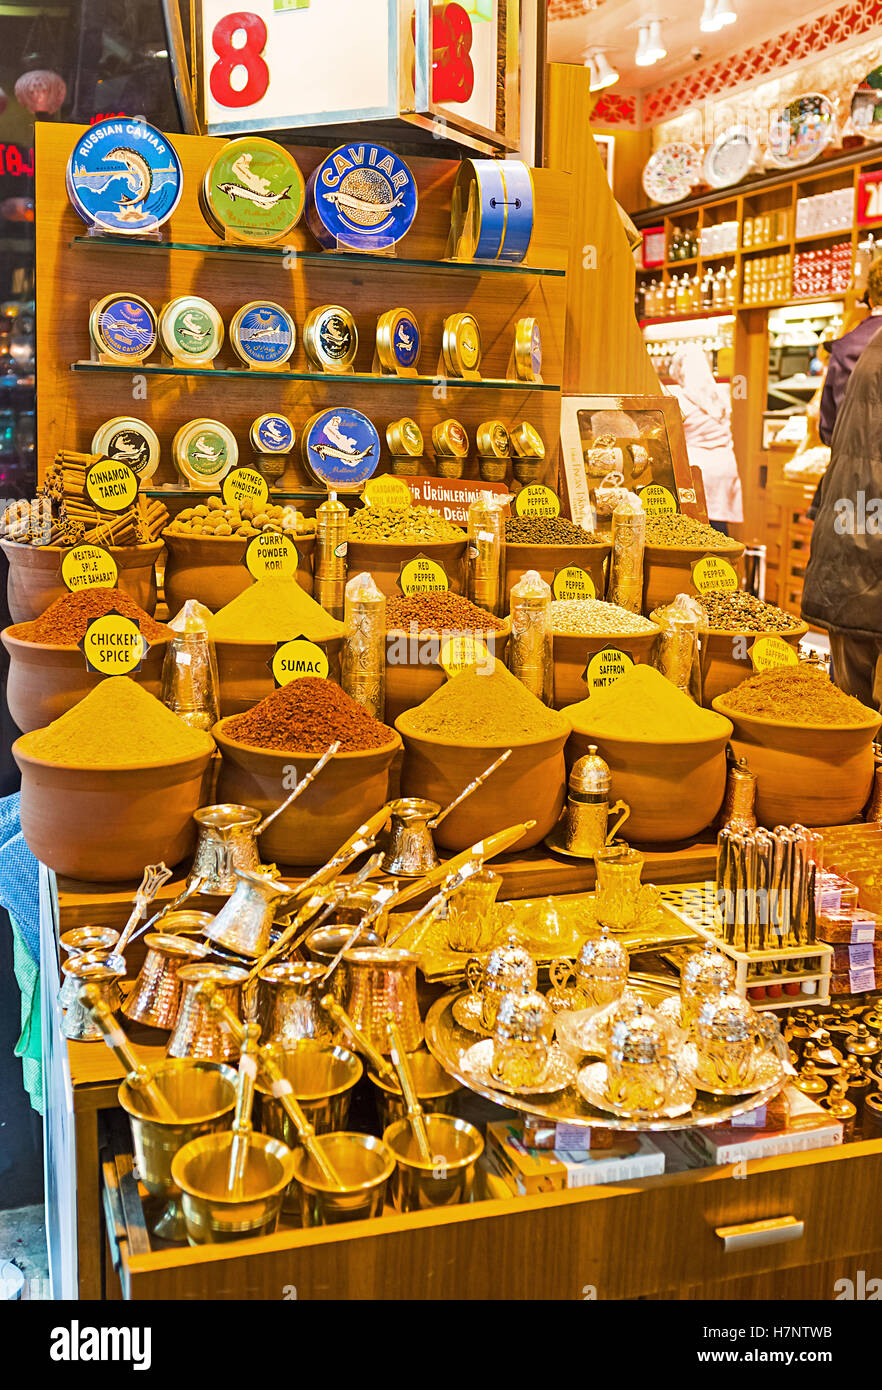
x: 435, y: 1089
x: 420, y: 1186
x: 211, y: 1215
x: 364, y: 1165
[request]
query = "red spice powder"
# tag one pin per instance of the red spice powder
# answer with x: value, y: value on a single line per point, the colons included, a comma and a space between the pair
x: 305, y: 717
x: 65, y: 621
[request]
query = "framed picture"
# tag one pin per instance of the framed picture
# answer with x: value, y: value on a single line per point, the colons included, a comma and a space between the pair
x: 869, y: 200
x: 606, y: 148
x: 610, y: 443
x: 654, y: 245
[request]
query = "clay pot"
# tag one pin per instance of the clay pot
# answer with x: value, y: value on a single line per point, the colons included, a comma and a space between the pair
x: 548, y: 559
x: 667, y: 570
x: 411, y: 681
x: 529, y: 786
x: 35, y: 576
x: 212, y: 569
x: 103, y: 824
x: 572, y: 654
x: 246, y: 677
x: 45, y: 681
x: 346, y: 792
x: 383, y: 561
x: 674, y: 789
x: 805, y: 774
x: 725, y: 659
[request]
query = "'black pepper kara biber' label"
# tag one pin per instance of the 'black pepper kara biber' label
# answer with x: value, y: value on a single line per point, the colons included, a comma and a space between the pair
x: 111, y: 485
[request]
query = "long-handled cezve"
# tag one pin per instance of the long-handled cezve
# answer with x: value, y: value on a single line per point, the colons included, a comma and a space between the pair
x: 408, y: 1089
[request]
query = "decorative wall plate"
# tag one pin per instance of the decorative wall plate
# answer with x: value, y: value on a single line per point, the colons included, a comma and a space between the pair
x: 730, y: 157
x: 801, y: 130
x: 672, y: 172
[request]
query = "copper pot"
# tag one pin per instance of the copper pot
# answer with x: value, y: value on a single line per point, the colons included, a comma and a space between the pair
x: 197, y: 1032
x: 156, y: 996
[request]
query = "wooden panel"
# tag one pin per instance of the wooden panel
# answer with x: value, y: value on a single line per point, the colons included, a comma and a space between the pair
x: 816, y: 1281
x: 632, y: 149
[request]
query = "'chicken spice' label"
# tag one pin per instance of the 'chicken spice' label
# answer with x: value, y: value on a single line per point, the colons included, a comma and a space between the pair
x: 606, y: 667
x: 298, y: 658
x: 713, y: 573
x: 89, y: 567
x: 111, y: 485
x: 271, y: 555
x: 113, y: 645
x: 423, y: 576
x: 245, y: 485
x: 769, y: 653
x: 572, y: 582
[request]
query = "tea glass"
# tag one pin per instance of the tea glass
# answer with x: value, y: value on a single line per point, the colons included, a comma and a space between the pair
x: 617, y: 892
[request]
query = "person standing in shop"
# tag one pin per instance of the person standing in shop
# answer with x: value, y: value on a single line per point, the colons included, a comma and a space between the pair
x: 706, y: 424
x: 845, y: 354
x: 843, y: 577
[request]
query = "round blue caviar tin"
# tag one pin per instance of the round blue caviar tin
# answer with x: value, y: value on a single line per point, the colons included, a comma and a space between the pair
x: 341, y: 448
x: 124, y: 176
x: 362, y: 197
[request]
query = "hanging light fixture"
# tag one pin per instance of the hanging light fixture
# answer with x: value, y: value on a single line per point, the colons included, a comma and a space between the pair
x: 650, y: 46
x: 602, y: 73
x: 709, y: 24
x: 724, y: 13
x: 41, y: 92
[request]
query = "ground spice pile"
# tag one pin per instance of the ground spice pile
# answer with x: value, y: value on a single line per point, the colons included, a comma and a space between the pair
x: 118, y: 724
x: 305, y: 717
x: 273, y: 610
x: 548, y: 530
x: 439, y: 613
x: 675, y: 530
x: 644, y: 704
x: 741, y: 612
x: 797, y: 695
x: 65, y: 621
x: 485, y: 708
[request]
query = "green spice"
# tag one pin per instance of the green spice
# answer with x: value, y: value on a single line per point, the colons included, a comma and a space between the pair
x: 675, y: 530
x: 741, y: 612
x: 483, y: 707
x: 385, y: 524
x: 548, y: 530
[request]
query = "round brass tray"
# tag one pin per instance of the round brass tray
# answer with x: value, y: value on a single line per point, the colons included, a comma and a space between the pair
x: 446, y: 1038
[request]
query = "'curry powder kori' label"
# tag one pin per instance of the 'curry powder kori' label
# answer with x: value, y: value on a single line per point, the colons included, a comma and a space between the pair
x: 463, y: 652
x: 271, y: 555
x: 657, y: 500
x: 298, y: 658
x: 423, y: 576
x: 113, y: 645
x: 111, y: 485
x: 245, y: 485
x: 537, y: 500
x: 606, y: 667
x: 770, y: 653
x: 713, y: 573
x: 89, y: 567
x: 572, y: 582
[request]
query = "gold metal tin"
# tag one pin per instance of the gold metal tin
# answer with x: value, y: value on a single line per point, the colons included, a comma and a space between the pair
x: 493, y: 440
x: 405, y: 438
x: 258, y: 444
x: 461, y: 344
x: 449, y: 439
x: 249, y: 192
x: 104, y: 347
x: 527, y: 442
x: 205, y: 340
x: 387, y: 327
x: 187, y: 438
x: 236, y: 341
x: 140, y: 452
x: 524, y: 365
x: 325, y: 335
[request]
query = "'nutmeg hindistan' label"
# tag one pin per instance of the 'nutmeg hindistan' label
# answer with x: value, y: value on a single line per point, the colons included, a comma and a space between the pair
x: 113, y: 645
x: 423, y: 576
x: 111, y: 485
x: 537, y: 500
x: 657, y: 500
x: 298, y: 658
x: 463, y: 651
x: 89, y: 567
x: 572, y: 582
x: 271, y: 555
x: 606, y: 667
x: 245, y: 485
x: 713, y: 573
x: 768, y: 653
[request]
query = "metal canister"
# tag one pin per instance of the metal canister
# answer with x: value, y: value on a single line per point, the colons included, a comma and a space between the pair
x: 529, y: 451
x: 329, y: 575
x: 451, y: 444
x: 364, y: 653
x: 587, y: 821
x: 486, y: 554
x: 626, y: 561
x: 530, y: 647
x: 738, y: 812
x: 494, y: 450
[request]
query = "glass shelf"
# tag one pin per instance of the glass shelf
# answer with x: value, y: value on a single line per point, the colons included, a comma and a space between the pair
x: 183, y: 490
x: 274, y: 254
x: 329, y: 378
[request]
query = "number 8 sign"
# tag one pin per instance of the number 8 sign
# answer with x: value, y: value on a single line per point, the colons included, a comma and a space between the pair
x: 246, y: 55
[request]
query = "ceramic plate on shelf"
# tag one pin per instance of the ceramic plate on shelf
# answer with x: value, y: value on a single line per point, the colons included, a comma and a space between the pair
x: 801, y: 130
x: 730, y: 157
x: 672, y: 172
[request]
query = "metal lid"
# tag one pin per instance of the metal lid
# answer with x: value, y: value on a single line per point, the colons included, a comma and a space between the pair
x: 124, y: 177
x: 398, y: 340
x: 509, y: 963
x: 253, y: 191
x: 204, y: 451
x: 863, y: 1043
x: 404, y: 438
x: 640, y: 1038
x: 191, y: 329
x: 123, y: 327
x: 330, y: 338
x: 527, y: 441
x: 603, y: 958
x: 450, y: 439
x: 461, y: 344
x: 524, y: 1016
x: 590, y: 774
x: 707, y: 971
x: 263, y: 334
x: 493, y: 440
x: 170, y: 945
x: 726, y: 1018
x: 272, y: 434
x: 528, y: 349
x: 130, y: 440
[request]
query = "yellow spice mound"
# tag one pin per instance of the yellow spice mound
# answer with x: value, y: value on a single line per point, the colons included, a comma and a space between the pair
x: 118, y: 724
x: 479, y: 708
x: 273, y: 610
x: 644, y: 704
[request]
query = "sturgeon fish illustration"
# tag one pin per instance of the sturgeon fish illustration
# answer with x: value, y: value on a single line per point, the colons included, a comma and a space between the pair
x: 197, y: 331
x: 140, y: 181
x: 344, y: 450
x: 346, y: 202
x: 252, y: 186
x: 405, y: 340
x: 206, y: 452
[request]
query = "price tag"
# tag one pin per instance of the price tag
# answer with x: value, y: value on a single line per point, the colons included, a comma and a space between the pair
x: 271, y: 555
x: 387, y: 491
x: 537, y: 500
x: 768, y: 653
x: 573, y: 582
x: 298, y: 658
x: 89, y: 567
x: 113, y: 645
x: 463, y: 651
x: 245, y: 485
x: 657, y: 500
x: 111, y: 485
x: 606, y: 667
x: 423, y: 576
x: 713, y: 573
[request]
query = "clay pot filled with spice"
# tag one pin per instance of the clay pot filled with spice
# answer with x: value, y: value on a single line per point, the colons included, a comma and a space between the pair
x: 549, y: 545
x: 212, y: 568
x: 417, y: 629
x: 736, y: 623
x: 674, y: 545
x: 267, y: 750
x: 35, y: 579
x: 382, y: 541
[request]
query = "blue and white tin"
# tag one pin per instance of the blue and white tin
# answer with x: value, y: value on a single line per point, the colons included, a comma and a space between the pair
x: 491, y: 203
x: 518, y: 183
x: 272, y: 434
x: 262, y: 334
x: 362, y: 197
x: 502, y: 193
x: 341, y: 449
x: 124, y: 176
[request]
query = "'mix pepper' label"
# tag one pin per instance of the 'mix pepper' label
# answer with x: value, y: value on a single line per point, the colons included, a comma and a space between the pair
x: 713, y: 573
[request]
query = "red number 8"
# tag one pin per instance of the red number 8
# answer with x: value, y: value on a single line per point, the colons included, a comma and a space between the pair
x: 248, y: 57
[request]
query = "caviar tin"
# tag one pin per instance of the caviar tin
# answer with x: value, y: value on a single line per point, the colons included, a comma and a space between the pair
x: 493, y: 210
x: 493, y: 440
x: 123, y: 328
x: 340, y: 448
x: 517, y: 181
x: 330, y: 338
x: 191, y: 330
x: 527, y: 442
x: 253, y: 192
x: 528, y: 350
x: 124, y: 176
x: 263, y: 335
x: 405, y: 439
x: 272, y: 434
x: 450, y: 440
x: 131, y: 441
x: 204, y: 451
x: 398, y: 341
x: 362, y: 196
x: 461, y: 345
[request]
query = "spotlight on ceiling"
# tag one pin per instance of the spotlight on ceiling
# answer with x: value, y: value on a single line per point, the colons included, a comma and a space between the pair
x: 602, y: 72
x: 650, y: 47
x: 724, y: 13
x: 709, y: 24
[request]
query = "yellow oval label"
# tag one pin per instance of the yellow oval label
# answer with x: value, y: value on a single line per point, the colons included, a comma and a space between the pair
x: 423, y: 576
x: 271, y: 555
x: 573, y: 582
x: 606, y: 667
x: 712, y: 573
x: 386, y: 491
x: 657, y: 500
x: 298, y: 658
x: 537, y: 500
x: 245, y: 485
x: 113, y: 645
x: 461, y: 652
x: 768, y: 653
x: 111, y: 485
x: 89, y: 567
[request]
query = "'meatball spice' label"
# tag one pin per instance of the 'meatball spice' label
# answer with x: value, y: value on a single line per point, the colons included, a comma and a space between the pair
x: 606, y: 667
x: 386, y: 491
x: 572, y: 582
x: 245, y: 485
x: 298, y: 658
x: 271, y: 555
x: 462, y: 652
x: 537, y: 500
x: 713, y: 573
x: 88, y: 567
x: 113, y: 645
x: 423, y: 576
x: 768, y: 653
x: 657, y: 500
x: 111, y: 485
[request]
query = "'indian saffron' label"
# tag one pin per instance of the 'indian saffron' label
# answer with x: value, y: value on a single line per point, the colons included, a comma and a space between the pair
x: 605, y: 668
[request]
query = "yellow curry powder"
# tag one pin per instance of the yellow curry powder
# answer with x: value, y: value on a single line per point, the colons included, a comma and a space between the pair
x: 485, y: 708
x: 644, y: 704
x: 273, y: 610
x: 118, y: 724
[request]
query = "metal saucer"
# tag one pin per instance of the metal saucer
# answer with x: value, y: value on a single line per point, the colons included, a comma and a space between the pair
x: 559, y: 1074
x: 555, y: 841
x: 467, y: 1012
x: 767, y: 1070
x: 592, y: 1084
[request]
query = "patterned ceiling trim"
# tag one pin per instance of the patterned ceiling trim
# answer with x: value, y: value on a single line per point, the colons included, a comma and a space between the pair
x: 616, y: 108
x: 804, y: 42
x: 571, y: 9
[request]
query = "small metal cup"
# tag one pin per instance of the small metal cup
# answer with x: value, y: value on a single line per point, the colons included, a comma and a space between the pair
x: 96, y: 942
x: 410, y: 849
x: 197, y: 1032
x: 211, y: 1215
x: 156, y: 996
x: 291, y: 993
x: 420, y: 1186
x: 78, y: 1025
x: 434, y: 1086
x: 364, y: 1165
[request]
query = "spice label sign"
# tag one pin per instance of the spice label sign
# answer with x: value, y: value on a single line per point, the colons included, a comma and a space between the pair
x: 111, y: 485
x: 423, y: 576
x: 537, y: 500
x: 462, y: 652
x: 572, y: 582
x: 113, y: 645
x: 657, y: 500
x: 712, y: 573
x: 770, y: 653
x: 298, y: 658
x: 606, y: 667
x: 89, y: 567
x: 271, y: 555
x: 388, y: 492
x: 245, y: 485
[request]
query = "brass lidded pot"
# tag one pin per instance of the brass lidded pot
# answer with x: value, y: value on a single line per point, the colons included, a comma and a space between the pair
x: 863, y: 1043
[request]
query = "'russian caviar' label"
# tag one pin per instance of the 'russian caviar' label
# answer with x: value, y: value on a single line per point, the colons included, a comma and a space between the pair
x: 422, y: 576
x: 245, y: 485
x: 111, y: 485
x: 271, y: 555
x: 89, y: 567
x: 768, y: 653
x: 573, y: 582
x: 606, y: 667
x: 298, y: 658
x: 113, y: 645
x: 712, y: 573
x: 537, y: 500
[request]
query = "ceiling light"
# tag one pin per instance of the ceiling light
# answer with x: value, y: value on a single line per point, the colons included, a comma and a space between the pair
x: 724, y: 13
x: 709, y: 24
x: 602, y: 72
x: 650, y: 48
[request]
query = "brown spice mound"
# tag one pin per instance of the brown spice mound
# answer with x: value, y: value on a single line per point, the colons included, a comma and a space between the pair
x: 439, y: 613
x: 65, y: 621
x: 796, y: 695
x: 306, y: 717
